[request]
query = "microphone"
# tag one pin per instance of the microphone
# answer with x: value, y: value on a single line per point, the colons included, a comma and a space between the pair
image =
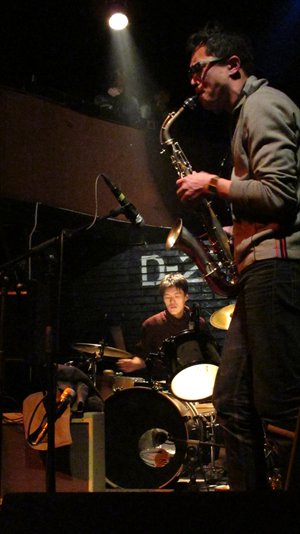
x: 66, y: 398
x: 128, y: 209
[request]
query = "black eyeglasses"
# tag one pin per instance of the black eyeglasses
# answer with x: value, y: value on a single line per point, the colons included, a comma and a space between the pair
x: 198, y: 67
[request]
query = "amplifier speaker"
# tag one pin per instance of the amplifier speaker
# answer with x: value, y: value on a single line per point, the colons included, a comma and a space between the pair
x: 80, y: 467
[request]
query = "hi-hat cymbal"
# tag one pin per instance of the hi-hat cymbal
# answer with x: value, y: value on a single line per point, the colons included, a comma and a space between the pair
x: 222, y: 318
x: 99, y: 349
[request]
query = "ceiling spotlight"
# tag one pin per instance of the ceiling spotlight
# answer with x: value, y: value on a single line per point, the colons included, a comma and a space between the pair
x: 118, y: 19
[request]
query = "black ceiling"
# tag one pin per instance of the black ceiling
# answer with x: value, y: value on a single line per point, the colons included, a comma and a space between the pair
x: 65, y: 44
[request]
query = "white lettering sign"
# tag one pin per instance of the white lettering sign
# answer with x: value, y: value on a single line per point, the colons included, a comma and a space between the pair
x: 154, y: 268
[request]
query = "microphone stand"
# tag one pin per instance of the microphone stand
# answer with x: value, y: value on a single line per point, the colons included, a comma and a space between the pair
x: 50, y: 366
x: 49, y: 335
x: 50, y: 402
x: 2, y: 315
x: 114, y: 213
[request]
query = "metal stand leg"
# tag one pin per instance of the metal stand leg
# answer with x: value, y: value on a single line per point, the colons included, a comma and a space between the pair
x: 192, y: 466
x: 293, y: 476
x: 213, y: 473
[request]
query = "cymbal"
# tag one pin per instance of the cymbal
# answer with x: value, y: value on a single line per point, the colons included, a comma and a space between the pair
x: 112, y: 352
x: 99, y: 349
x: 222, y: 318
x: 90, y: 348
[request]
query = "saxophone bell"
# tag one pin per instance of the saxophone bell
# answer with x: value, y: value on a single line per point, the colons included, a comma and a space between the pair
x: 219, y: 276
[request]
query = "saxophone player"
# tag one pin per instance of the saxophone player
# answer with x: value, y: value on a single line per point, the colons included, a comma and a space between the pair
x: 258, y: 382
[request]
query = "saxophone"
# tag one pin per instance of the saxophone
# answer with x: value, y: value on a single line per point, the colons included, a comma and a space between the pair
x: 215, y: 259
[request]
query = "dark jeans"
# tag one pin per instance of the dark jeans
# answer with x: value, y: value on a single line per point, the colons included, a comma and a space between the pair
x: 258, y: 381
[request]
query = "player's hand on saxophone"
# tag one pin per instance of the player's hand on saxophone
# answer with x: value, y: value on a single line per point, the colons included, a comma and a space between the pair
x: 193, y: 185
x: 199, y: 184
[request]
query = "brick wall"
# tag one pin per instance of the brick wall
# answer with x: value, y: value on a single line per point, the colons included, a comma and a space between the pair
x: 124, y: 291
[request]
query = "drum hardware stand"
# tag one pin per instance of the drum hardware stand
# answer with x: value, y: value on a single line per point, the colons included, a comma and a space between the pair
x: 92, y: 361
x: 194, y: 463
x: 212, y: 474
x: 149, y: 361
x: 213, y: 471
x: 192, y: 466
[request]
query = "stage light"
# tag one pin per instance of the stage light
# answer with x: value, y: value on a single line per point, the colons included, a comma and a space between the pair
x: 117, y: 14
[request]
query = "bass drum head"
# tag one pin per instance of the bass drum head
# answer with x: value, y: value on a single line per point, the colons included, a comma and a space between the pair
x: 145, y: 438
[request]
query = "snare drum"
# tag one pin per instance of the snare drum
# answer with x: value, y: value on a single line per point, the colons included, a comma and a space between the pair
x: 192, y: 362
x: 109, y: 383
x: 125, y: 382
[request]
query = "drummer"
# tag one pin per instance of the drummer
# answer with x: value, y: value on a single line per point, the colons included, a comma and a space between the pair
x: 175, y: 318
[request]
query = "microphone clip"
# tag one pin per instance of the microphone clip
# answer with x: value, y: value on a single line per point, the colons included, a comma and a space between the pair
x: 126, y: 207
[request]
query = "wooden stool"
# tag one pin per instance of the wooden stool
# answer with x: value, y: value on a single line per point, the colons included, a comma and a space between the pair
x: 293, y: 473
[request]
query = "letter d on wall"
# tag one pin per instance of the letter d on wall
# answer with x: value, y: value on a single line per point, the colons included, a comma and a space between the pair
x: 152, y: 269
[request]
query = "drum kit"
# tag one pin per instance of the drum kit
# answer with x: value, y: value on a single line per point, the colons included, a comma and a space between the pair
x: 156, y: 432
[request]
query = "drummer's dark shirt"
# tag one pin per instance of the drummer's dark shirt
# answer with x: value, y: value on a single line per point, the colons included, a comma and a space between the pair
x: 156, y: 330
x: 161, y: 326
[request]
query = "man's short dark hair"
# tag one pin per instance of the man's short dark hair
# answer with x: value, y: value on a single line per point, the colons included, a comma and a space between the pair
x: 223, y: 44
x: 173, y: 280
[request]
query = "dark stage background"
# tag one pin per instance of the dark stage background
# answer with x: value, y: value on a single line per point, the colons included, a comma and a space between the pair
x: 56, y: 56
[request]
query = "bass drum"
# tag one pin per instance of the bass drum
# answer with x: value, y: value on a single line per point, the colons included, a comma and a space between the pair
x: 146, y: 434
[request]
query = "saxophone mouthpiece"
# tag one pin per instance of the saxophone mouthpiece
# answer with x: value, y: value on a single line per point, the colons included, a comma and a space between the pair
x: 191, y: 102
